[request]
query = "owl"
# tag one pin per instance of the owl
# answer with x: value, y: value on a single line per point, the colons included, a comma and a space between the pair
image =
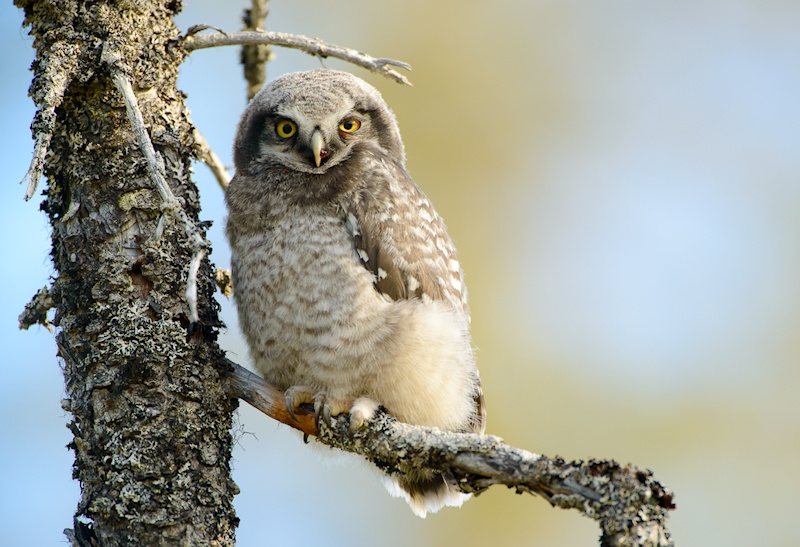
x: 346, y: 283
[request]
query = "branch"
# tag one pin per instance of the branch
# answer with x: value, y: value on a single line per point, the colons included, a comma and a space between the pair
x: 254, y: 58
x: 169, y: 203
x: 312, y: 46
x: 59, y: 66
x: 222, y: 276
x: 210, y: 158
x: 36, y: 310
x: 630, y: 506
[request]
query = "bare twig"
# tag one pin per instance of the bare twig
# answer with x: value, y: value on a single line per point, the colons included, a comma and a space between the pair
x: 191, y: 281
x: 36, y: 310
x: 210, y: 158
x: 222, y: 276
x: 630, y: 506
x: 59, y: 65
x: 37, y: 163
x: 170, y: 205
x: 312, y: 46
x: 255, y: 57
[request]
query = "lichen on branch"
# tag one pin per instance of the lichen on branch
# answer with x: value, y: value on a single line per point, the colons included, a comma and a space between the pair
x: 630, y: 506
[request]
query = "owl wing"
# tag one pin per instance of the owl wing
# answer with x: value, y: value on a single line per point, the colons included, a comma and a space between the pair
x: 403, y: 242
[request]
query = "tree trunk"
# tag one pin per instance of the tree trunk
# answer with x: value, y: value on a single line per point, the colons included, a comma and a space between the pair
x: 150, y: 419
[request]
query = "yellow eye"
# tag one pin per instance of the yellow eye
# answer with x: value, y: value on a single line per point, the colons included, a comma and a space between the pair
x: 285, y: 128
x: 350, y: 125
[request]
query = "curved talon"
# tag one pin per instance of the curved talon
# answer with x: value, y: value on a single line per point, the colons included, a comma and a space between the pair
x: 319, y: 405
x: 326, y: 415
x: 322, y: 410
x: 296, y: 396
x: 290, y: 406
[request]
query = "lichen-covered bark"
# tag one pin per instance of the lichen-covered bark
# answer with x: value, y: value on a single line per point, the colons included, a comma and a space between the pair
x: 631, y: 507
x: 151, y: 422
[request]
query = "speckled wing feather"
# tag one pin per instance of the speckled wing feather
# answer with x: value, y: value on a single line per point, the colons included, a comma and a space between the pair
x: 403, y: 242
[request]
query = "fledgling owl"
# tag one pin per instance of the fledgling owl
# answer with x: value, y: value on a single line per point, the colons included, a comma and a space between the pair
x: 345, y: 280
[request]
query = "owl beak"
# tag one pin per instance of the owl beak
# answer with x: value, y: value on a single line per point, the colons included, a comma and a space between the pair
x: 317, y: 143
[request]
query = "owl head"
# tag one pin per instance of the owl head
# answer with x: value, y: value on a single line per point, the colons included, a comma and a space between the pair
x: 315, y: 123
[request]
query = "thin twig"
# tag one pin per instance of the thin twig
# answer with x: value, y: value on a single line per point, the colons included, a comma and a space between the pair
x: 222, y: 276
x: 36, y: 168
x: 36, y: 310
x: 191, y: 282
x: 630, y: 506
x: 170, y: 205
x: 210, y: 158
x: 312, y: 46
x: 59, y: 66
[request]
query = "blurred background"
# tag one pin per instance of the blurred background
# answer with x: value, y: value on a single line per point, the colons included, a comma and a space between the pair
x: 622, y: 180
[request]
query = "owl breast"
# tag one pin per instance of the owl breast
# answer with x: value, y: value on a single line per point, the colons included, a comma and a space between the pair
x: 313, y: 317
x: 311, y: 314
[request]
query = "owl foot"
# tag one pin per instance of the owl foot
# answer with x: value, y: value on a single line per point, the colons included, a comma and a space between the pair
x: 324, y: 406
x: 363, y: 410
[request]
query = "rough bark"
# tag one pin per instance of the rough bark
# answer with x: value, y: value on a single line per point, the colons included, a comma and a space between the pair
x: 150, y: 419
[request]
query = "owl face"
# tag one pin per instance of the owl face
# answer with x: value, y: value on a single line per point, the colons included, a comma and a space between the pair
x: 312, y: 141
x: 313, y: 123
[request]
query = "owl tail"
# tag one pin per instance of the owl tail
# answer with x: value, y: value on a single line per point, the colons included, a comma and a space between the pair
x: 424, y: 491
